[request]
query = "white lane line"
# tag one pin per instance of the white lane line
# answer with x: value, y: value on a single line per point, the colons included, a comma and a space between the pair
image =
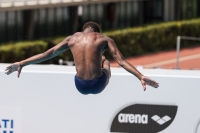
x: 173, y: 61
x: 157, y: 75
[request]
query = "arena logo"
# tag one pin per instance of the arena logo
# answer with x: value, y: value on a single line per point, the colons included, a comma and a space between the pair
x: 142, y: 118
x: 131, y: 118
x: 162, y: 120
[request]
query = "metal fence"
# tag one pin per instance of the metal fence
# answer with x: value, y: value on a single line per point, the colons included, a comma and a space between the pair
x: 178, y: 45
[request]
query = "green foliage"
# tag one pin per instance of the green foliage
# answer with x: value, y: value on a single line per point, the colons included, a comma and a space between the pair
x: 130, y: 41
x: 12, y: 52
x: 154, y: 38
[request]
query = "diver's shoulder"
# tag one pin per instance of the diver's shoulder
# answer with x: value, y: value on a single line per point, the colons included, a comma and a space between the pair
x: 76, y: 35
x: 100, y: 35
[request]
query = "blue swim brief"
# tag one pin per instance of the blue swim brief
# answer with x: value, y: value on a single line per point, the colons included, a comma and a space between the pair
x: 93, y: 86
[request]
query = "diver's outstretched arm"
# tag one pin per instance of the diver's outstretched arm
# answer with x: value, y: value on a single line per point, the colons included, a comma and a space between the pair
x: 54, y: 51
x: 127, y: 66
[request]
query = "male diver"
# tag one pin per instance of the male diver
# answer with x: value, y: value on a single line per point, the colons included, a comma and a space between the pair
x: 93, y: 69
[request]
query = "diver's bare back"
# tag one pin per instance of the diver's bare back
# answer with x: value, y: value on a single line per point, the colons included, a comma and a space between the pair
x: 87, y: 51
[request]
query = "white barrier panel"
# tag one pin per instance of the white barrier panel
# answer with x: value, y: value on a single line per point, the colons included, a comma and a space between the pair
x: 44, y: 100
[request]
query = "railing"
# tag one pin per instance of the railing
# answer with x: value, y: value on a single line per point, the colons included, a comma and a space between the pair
x: 28, y: 4
x: 18, y: 3
x: 9, y: 3
x: 178, y: 44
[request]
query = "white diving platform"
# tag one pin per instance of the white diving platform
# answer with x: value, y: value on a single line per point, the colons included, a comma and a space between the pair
x: 44, y: 99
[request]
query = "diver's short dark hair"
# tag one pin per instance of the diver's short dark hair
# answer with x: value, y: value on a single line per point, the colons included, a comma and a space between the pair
x: 93, y: 25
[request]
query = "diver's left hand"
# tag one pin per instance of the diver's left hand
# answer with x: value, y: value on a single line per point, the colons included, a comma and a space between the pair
x: 147, y: 81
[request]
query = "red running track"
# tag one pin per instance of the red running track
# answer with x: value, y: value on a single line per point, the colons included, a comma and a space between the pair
x: 189, y: 58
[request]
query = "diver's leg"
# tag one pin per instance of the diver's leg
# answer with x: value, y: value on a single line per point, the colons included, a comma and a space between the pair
x: 106, y: 68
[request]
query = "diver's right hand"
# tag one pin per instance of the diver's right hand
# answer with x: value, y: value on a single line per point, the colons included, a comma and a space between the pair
x: 14, y: 67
